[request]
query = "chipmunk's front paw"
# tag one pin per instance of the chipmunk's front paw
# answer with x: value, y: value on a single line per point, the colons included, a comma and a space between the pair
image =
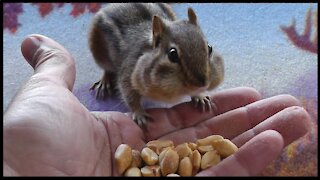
x: 203, y: 101
x: 141, y: 118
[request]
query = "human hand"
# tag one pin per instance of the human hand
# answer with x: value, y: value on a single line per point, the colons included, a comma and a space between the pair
x: 47, y: 131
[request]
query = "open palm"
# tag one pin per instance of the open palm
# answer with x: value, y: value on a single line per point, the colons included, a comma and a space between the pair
x: 47, y: 131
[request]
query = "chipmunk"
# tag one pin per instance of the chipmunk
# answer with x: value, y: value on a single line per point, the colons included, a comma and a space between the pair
x: 146, y: 52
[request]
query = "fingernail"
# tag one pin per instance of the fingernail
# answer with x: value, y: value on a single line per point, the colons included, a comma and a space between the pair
x: 29, y: 46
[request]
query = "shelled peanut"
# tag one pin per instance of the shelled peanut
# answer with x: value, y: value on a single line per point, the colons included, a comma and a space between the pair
x: 162, y: 158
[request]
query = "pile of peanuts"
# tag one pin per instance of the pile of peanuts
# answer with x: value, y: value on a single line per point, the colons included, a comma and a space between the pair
x: 162, y: 158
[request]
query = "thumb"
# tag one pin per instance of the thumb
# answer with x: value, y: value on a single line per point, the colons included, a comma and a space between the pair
x: 49, y: 59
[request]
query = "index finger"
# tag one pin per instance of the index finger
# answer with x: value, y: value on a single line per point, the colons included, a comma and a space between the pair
x: 185, y: 115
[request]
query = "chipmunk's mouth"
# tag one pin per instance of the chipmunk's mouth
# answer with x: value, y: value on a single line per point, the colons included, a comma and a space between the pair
x: 196, y: 90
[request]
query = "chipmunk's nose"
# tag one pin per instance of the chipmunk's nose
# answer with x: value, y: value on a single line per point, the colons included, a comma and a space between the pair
x: 199, y: 84
x: 198, y: 78
x: 201, y: 81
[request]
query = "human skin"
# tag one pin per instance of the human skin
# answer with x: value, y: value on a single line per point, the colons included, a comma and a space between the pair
x: 48, y: 132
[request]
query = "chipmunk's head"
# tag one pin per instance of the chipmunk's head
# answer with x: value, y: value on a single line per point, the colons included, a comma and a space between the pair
x: 183, y: 60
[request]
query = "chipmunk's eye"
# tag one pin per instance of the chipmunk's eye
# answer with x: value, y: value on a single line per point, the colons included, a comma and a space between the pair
x: 173, y: 55
x: 210, y: 49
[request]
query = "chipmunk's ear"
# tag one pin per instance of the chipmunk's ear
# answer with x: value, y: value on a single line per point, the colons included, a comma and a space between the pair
x: 192, y: 16
x: 158, y: 28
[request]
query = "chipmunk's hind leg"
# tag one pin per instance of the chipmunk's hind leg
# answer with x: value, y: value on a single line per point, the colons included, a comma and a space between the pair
x: 106, y: 86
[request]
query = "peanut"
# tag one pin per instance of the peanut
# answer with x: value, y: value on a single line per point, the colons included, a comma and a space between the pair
x: 133, y: 171
x: 205, y: 148
x: 158, y: 145
x: 183, y: 150
x: 224, y: 147
x: 173, y: 175
x: 146, y: 172
x: 208, y: 140
x: 170, y: 162
x: 209, y: 159
x: 136, y: 159
x: 149, y: 156
x: 151, y: 171
x: 161, y: 155
x: 162, y: 158
x: 192, y: 146
x: 123, y: 157
x: 185, y: 167
x: 196, y: 162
